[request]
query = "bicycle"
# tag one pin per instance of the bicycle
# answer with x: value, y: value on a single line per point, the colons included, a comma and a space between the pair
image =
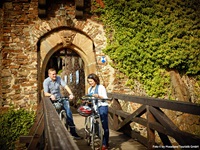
x: 93, y: 127
x: 58, y: 104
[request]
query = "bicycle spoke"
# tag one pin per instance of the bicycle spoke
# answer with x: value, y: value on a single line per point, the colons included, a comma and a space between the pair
x: 93, y: 137
x: 101, y: 133
x: 87, y: 131
x: 63, y: 118
x: 93, y: 126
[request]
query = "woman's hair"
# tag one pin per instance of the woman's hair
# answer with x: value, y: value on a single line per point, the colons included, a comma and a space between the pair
x: 94, y: 77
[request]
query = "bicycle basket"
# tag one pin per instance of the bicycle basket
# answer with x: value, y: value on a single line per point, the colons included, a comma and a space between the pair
x: 84, y: 111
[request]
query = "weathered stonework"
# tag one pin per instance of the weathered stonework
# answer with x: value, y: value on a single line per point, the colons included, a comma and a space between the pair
x: 1, y: 43
x: 30, y: 41
x: 27, y: 42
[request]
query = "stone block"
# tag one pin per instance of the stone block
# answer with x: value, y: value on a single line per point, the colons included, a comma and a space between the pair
x: 79, y: 14
x: 79, y: 4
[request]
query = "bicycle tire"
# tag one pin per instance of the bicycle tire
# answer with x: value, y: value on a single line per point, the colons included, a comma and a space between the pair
x: 87, y: 131
x: 100, y: 132
x: 93, y: 136
x: 63, y: 118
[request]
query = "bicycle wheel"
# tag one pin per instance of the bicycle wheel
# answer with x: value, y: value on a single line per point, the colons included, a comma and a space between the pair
x: 87, y: 130
x: 100, y: 132
x: 93, y: 135
x: 63, y: 118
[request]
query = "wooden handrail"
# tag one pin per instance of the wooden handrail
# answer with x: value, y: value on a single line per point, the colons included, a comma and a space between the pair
x: 48, y: 132
x: 156, y: 120
x: 57, y: 136
x: 181, y: 106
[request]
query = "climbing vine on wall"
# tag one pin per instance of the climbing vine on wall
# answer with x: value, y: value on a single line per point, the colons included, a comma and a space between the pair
x: 147, y: 38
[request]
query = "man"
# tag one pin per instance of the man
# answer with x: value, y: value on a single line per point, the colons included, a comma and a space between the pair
x: 51, y: 87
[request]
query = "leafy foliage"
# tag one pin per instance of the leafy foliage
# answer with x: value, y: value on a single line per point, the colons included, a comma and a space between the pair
x: 13, y: 124
x: 146, y: 38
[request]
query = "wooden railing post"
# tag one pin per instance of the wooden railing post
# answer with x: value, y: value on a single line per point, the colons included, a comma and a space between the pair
x: 33, y: 140
x: 150, y: 132
x: 115, y: 106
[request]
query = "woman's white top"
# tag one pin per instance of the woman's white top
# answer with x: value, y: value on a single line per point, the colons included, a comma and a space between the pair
x: 102, y: 92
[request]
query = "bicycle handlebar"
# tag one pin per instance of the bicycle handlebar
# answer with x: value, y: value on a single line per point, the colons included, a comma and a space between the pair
x: 90, y: 97
x: 60, y: 99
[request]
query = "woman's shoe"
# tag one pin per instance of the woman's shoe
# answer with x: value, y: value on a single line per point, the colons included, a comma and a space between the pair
x: 104, y: 147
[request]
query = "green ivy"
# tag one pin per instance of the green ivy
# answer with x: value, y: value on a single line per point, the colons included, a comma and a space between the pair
x: 147, y: 38
x: 13, y: 124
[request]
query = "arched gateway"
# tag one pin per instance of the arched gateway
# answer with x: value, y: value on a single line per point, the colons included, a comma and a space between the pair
x: 85, y: 38
x: 67, y: 36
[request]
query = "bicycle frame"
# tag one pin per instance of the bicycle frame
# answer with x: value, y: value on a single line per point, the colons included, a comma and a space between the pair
x: 93, y: 126
x: 58, y: 104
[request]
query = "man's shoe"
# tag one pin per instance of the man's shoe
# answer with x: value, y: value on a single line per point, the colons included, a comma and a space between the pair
x: 104, y: 147
x: 77, y: 137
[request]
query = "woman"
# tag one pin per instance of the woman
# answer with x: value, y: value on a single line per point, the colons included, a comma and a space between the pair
x: 99, y: 91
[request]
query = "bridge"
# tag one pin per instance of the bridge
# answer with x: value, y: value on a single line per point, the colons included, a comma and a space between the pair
x: 49, y: 133
x: 29, y: 45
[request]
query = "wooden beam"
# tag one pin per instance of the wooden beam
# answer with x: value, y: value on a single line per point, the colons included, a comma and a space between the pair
x: 165, y: 140
x: 186, y: 107
x: 183, y: 138
x: 39, y: 115
x: 128, y: 119
x: 25, y: 138
x: 36, y: 131
x: 140, y: 138
x: 56, y: 134
x: 150, y: 131
x: 36, y: 136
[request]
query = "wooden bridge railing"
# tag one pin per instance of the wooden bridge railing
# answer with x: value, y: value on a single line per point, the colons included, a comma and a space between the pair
x: 57, y: 136
x: 48, y: 132
x: 155, y: 120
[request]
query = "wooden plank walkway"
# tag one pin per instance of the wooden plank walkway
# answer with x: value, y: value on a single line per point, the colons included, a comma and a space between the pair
x: 118, y: 141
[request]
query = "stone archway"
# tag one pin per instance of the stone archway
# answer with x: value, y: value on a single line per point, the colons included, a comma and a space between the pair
x: 86, y: 38
x: 65, y: 37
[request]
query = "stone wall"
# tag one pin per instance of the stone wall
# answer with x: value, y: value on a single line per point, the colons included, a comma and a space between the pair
x: 19, y: 70
x: 22, y: 30
x: 29, y: 41
x: 1, y: 42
